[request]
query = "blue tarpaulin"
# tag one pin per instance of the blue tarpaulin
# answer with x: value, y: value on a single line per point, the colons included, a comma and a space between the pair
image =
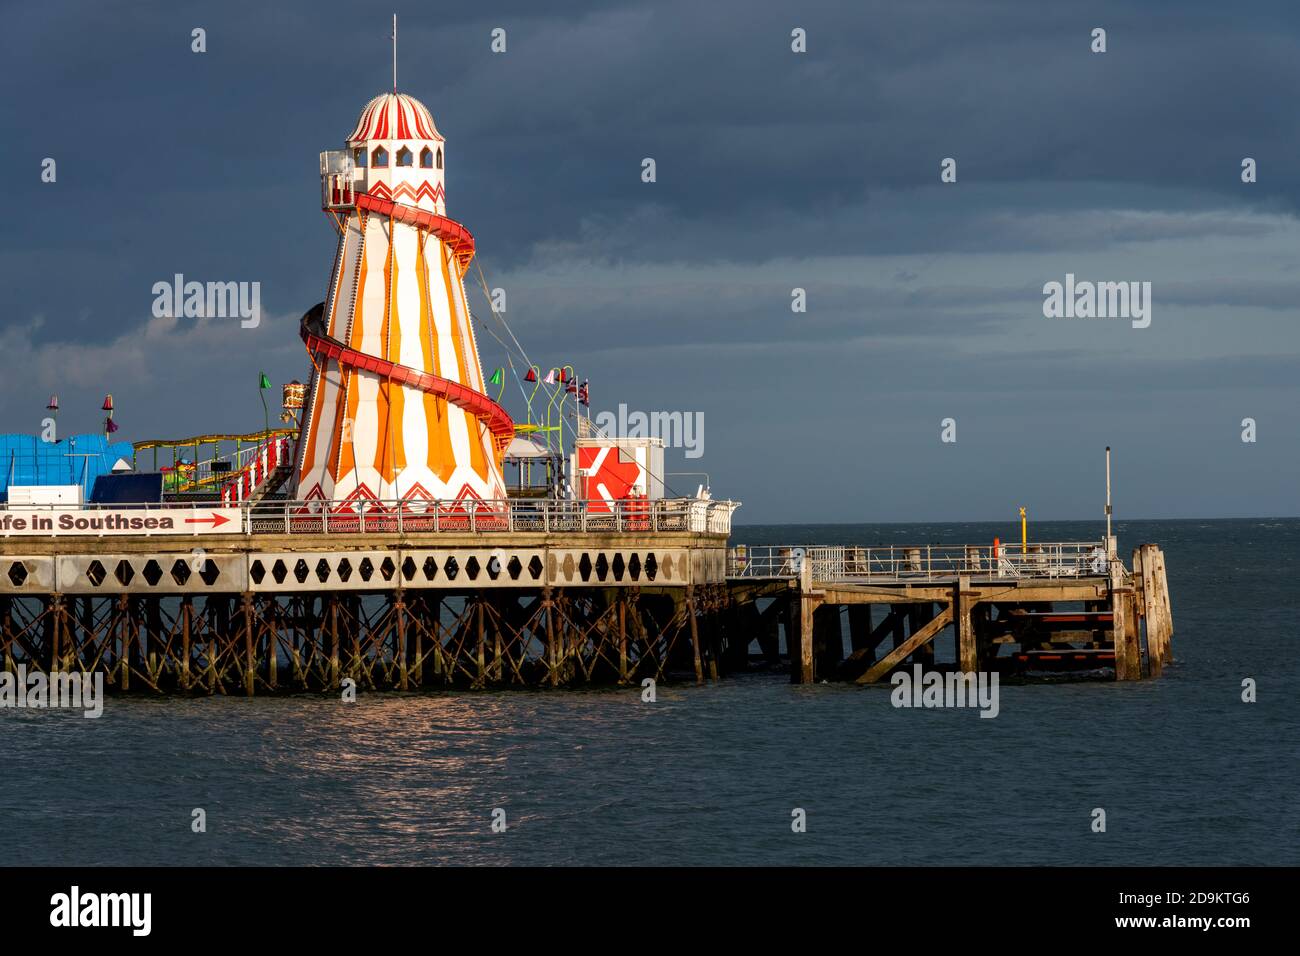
x: 79, y: 460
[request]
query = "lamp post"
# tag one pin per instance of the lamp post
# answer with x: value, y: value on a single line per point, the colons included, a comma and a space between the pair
x: 53, y: 408
x: 1110, y: 549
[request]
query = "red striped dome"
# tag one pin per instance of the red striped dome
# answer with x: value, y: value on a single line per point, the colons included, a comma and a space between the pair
x: 395, y: 116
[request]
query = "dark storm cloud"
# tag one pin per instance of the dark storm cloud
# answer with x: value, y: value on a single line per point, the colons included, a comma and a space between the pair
x: 750, y: 140
x: 775, y: 171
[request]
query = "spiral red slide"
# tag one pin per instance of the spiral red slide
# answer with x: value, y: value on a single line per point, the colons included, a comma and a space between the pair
x: 477, y: 404
x: 323, y: 346
x: 448, y: 230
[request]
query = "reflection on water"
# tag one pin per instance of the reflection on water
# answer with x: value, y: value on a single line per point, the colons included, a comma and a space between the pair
x: 1186, y: 772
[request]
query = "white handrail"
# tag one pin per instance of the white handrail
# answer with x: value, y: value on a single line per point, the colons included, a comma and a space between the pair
x: 641, y: 516
x: 848, y: 564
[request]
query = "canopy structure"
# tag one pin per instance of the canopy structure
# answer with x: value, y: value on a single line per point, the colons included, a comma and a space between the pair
x: 523, y: 449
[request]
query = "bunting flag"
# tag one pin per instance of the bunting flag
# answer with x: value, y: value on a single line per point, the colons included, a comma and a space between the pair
x: 54, y: 404
x: 550, y: 378
x: 531, y: 376
x: 584, y: 394
x: 109, y: 426
x: 264, y: 382
x: 496, y: 377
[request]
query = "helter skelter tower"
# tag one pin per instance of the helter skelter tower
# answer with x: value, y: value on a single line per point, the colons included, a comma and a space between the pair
x: 397, y: 409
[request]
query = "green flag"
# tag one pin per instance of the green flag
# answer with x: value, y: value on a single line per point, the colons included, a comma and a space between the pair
x: 263, y: 383
x: 496, y: 378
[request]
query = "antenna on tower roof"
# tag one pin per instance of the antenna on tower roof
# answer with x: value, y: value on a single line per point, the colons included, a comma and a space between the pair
x: 394, y: 53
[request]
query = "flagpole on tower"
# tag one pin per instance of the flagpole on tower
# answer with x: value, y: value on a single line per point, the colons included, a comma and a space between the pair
x: 394, y: 53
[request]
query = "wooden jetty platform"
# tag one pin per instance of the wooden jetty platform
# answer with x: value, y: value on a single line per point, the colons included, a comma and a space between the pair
x: 982, y: 597
x: 278, y: 598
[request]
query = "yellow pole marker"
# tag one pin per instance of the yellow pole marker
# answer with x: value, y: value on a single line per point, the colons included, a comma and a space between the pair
x: 1024, y: 531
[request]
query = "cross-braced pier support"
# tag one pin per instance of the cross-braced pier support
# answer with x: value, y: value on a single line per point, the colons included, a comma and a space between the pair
x: 1052, y: 614
x: 399, y: 640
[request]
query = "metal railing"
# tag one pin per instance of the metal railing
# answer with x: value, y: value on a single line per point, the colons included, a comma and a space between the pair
x: 691, y: 515
x: 930, y: 562
x: 487, y: 517
x: 268, y: 457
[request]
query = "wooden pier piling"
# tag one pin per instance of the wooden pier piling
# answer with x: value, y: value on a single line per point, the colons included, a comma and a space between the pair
x: 809, y: 600
x: 963, y: 619
x: 1128, y: 655
x: 1149, y: 565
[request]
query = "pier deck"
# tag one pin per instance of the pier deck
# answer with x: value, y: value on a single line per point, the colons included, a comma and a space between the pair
x: 275, y: 597
x: 549, y: 594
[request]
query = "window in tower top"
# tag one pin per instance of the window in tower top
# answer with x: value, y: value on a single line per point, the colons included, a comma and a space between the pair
x: 404, y: 157
x: 440, y: 157
x: 379, y: 158
x: 426, y: 158
x: 359, y: 158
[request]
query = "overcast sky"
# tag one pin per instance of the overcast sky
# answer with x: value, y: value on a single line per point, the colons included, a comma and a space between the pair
x: 775, y: 170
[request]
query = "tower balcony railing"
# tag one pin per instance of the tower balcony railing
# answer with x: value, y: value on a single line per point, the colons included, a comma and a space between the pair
x: 337, y: 179
x: 336, y: 191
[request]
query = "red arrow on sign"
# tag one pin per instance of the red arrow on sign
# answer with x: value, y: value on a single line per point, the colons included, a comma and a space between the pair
x: 216, y: 520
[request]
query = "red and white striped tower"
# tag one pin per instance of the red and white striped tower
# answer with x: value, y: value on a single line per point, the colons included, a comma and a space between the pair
x: 397, y: 406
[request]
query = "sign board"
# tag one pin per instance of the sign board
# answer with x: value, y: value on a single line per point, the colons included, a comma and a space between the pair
x: 104, y: 522
x: 618, y: 469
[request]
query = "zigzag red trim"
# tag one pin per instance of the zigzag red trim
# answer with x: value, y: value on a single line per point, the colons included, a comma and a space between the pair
x: 416, y: 492
x: 425, y: 190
